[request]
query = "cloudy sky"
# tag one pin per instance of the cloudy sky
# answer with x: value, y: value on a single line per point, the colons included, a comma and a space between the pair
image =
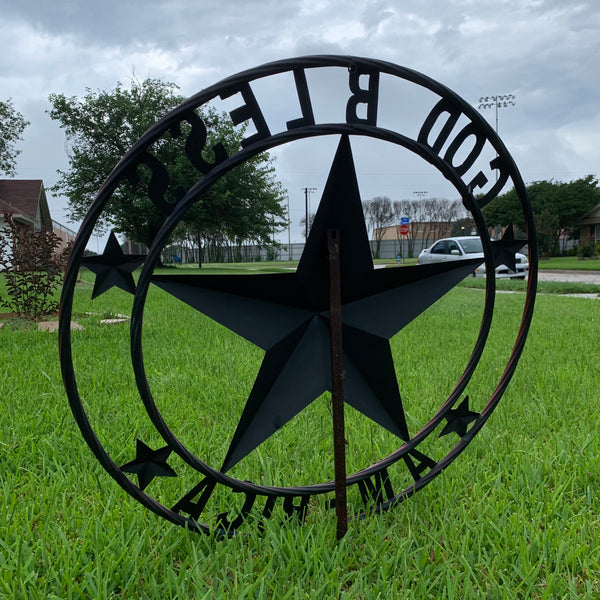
x: 544, y: 52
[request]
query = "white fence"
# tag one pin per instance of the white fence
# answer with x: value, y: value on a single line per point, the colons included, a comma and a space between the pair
x: 389, y: 249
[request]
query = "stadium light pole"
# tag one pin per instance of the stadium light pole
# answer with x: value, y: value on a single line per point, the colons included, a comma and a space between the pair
x: 496, y: 102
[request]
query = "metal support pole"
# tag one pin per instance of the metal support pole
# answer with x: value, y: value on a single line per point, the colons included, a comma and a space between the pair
x: 305, y: 214
x: 307, y: 191
x: 498, y: 101
x: 289, y: 231
x: 337, y: 381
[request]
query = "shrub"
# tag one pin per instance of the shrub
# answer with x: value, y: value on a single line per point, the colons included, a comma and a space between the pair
x: 32, y: 270
x: 272, y: 253
x: 587, y: 250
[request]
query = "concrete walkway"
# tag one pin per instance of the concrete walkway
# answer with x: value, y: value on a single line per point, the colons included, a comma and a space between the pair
x: 570, y: 276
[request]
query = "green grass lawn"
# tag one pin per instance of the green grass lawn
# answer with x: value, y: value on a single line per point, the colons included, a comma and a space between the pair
x: 570, y: 263
x: 515, y: 516
x: 543, y: 287
x: 232, y: 268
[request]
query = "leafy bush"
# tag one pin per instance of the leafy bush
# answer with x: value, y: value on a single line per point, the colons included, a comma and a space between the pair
x: 587, y: 250
x: 32, y: 269
x: 272, y: 253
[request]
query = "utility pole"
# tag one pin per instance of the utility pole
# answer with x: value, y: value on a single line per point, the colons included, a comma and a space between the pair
x: 307, y: 192
x: 289, y: 230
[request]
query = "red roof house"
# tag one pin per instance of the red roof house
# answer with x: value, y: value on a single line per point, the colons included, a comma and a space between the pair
x: 25, y: 200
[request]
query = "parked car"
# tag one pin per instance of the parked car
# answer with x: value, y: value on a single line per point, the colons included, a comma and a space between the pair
x: 462, y: 248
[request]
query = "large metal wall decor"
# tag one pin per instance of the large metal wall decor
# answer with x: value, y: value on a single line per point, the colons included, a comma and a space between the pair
x: 335, y: 321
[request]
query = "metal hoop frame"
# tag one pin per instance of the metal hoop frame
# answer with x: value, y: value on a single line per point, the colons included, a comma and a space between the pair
x: 132, y: 159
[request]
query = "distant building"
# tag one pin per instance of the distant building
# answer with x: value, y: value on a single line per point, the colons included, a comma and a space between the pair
x: 590, y: 225
x: 24, y: 200
x: 428, y: 230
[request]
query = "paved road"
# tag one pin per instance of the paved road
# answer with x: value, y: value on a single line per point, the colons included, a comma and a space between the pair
x: 570, y: 276
x: 557, y: 275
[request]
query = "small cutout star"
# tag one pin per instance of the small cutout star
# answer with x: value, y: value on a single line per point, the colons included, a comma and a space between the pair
x: 113, y: 268
x: 505, y: 249
x: 149, y: 464
x: 459, y: 419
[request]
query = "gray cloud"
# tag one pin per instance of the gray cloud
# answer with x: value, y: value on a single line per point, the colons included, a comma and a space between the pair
x: 543, y: 51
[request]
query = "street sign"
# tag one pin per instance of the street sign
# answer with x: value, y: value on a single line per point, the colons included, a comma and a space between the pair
x: 404, y: 220
x: 404, y: 229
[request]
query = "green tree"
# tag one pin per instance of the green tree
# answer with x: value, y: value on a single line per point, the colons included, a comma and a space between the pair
x: 302, y: 223
x: 12, y: 125
x: 379, y: 214
x: 243, y: 206
x: 103, y: 125
x: 100, y: 128
x: 464, y: 226
x: 557, y: 207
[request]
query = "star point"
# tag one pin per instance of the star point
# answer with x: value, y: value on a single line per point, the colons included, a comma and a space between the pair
x: 506, y: 248
x: 149, y: 464
x: 459, y: 419
x: 113, y: 268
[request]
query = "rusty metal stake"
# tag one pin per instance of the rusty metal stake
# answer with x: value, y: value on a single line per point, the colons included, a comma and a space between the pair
x: 337, y: 381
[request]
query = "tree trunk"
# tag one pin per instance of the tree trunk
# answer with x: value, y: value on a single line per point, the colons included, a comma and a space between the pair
x: 199, y: 249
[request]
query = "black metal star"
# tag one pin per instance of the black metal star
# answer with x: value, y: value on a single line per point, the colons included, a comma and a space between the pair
x: 149, y: 464
x: 458, y: 419
x: 506, y: 248
x: 113, y: 267
x: 288, y: 316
